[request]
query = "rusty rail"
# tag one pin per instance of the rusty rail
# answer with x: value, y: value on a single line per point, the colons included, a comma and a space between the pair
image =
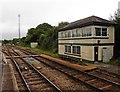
x: 12, y: 57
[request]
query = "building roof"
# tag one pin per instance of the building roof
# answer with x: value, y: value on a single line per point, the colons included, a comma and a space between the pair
x: 92, y: 20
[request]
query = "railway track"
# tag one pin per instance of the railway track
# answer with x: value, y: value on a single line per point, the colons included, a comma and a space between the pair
x: 18, y: 75
x: 66, y: 83
x: 29, y: 78
x: 88, y: 78
x: 97, y: 71
x: 97, y: 82
x: 74, y: 85
x: 106, y: 75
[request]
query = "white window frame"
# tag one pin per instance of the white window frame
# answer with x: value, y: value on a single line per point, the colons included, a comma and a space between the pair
x: 76, y: 49
x: 86, y: 32
x: 101, y: 35
x: 67, y: 50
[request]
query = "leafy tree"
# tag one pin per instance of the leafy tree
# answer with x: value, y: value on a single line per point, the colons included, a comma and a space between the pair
x: 30, y: 31
x: 15, y: 41
x: 116, y: 18
x: 6, y: 41
x: 41, y: 39
x: 62, y: 24
x: 45, y: 34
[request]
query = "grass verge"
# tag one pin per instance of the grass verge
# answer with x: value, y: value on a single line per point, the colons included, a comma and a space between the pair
x: 47, y: 52
x: 114, y: 62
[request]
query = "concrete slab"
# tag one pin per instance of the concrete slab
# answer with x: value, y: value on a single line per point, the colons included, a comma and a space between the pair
x: 0, y: 56
x: 8, y: 79
x: 7, y: 83
x: 75, y: 66
x: 0, y: 68
x: 0, y: 76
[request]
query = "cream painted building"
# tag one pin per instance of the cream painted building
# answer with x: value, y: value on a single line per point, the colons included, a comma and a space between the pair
x: 90, y: 39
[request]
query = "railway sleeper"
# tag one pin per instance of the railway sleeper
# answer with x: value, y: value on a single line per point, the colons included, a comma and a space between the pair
x: 48, y: 88
x: 110, y: 88
x: 106, y: 73
x: 19, y: 81
x: 108, y: 77
x: 37, y: 82
x: 39, y: 86
x: 22, y: 88
x: 20, y: 84
x: 99, y: 84
x: 34, y: 79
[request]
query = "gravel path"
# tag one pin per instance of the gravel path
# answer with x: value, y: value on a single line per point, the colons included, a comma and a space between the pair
x: 7, y: 78
x: 108, y: 67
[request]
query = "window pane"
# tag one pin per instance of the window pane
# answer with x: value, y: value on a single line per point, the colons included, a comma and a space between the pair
x: 69, y: 49
x: 98, y: 31
x: 86, y: 32
x: 83, y: 33
x: 65, y: 48
x: 78, y: 49
x: 61, y: 34
x: 89, y: 31
x: 69, y: 34
x: 72, y: 34
x: 65, y: 34
x: 74, y: 49
x: 104, y: 31
x: 77, y: 33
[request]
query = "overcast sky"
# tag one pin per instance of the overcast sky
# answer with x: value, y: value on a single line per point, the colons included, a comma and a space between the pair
x: 34, y: 12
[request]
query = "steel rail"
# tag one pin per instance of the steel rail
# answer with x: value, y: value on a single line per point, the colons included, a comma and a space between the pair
x: 115, y: 74
x: 56, y: 87
x: 76, y: 69
x: 72, y: 76
x: 117, y: 84
x: 19, y: 71
x: 98, y: 90
x: 91, y: 75
x: 84, y: 73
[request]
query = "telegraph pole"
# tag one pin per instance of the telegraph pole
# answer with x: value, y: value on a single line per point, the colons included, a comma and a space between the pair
x: 119, y: 9
x: 19, y: 26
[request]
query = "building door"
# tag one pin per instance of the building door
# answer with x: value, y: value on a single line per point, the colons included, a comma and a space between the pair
x: 95, y: 53
x: 106, y: 55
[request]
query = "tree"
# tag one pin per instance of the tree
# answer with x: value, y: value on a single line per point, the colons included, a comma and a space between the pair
x: 62, y: 24
x: 36, y: 34
x: 15, y: 41
x: 6, y: 41
x: 116, y: 18
x: 46, y: 35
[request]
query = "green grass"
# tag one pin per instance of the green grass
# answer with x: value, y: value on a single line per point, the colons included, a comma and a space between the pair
x: 114, y: 62
x: 53, y: 54
x: 47, y: 52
